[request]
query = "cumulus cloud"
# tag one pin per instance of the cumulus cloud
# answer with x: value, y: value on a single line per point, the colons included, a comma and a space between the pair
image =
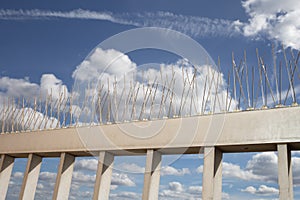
x: 234, y: 171
x: 50, y: 85
x: 127, y: 92
x: 264, y: 165
x: 44, y: 188
x: 263, y: 190
x: 122, y: 180
x: 84, y: 176
x: 84, y: 167
x: 47, y: 176
x: 86, y: 164
x: 102, y: 62
x: 176, y: 190
x: 15, y: 118
x: 21, y: 102
x: 168, y: 170
x: 277, y: 20
x: 261, y: 167
x: 175, y: 186
x: 11, y: 87
x: 195, y: 189
x: 199, y: 169
x: 18, y: 175
x: 130, y: 167
x: 80, y: 177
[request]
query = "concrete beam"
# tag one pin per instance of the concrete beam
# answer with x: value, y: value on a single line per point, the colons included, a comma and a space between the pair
x: 64, y: 177
x: 212, y: 174
x: 152, y: 175
x: 280, y: 125
x: 285, y: 175
x: 103, y: 176
x: 6, y: 166
x: 31, y: 177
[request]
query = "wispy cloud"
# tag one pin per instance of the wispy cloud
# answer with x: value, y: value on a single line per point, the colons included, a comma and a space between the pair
x: 191, y: 25
x: 46, y: 14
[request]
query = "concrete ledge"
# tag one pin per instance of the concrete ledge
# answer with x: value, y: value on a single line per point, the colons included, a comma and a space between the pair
x: 232, y: 132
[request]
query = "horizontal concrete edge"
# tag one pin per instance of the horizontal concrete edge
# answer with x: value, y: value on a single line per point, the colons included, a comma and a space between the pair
x: 232, y: 132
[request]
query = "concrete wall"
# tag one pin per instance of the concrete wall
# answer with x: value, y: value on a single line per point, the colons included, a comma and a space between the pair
x: 262, y: 130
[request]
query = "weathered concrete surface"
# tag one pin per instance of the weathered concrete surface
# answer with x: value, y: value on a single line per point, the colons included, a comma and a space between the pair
x: 285, y: 174
x: 31, y: 176
x: 103, y: 176
x: 212, y: 174
x: 6, y: 166
x: 232, y: 132
x: 63, y: 177
x: 152, y: 175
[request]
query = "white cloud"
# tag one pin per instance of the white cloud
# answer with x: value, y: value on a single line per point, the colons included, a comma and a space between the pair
x: 171, y: 171
x: 103, y: 62
x: 130, y: 167
x: 190, y: 25
x: 47, y: 176
x: 261, y: 167
x: 175, y: 186
x: 127, y: 96
x: 90, y: 165
x: 195, y: 189
x: 296, y: 170
x: 263, y: 190
x: 264, y: 165
x: 20, y: 119
x: 18, y: 175
x: 24, y: 114
x: 275, y: 20
x: 50, y: 85
x: 44, y: 14
x: 11, y: 87
x: 176, y: 190
x: 234, y: 171
x: 79, y: 177
x: 225, y: 196
x: 40, y: 186
x: 81, y: 195
x: 122, y: 180
x: 86, y: 164
x: 199, y: 169
x: 125, y: 195
x: 278, y: 20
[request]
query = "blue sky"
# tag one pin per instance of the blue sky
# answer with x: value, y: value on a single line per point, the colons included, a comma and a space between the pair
x: 39, y: 38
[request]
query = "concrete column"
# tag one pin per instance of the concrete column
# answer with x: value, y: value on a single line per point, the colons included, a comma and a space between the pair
x: 103, y: 176
x: 152, y: 175
x: 212, y: 174
x: 285, y: 175
x: 64, y: 177
x: 31, y: 176
x: 6, y: 166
